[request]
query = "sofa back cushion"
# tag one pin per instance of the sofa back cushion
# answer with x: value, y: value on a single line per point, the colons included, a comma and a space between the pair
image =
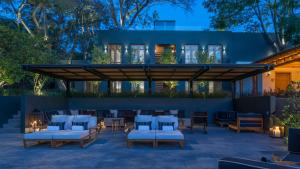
x: 143, y: 123
x: 161, y: 125
x: 61, y: 125
x: 146, y: 118
x: 168, y: 119
x: 63, y: 118
x: 90, y: 120
x: 83, y: 124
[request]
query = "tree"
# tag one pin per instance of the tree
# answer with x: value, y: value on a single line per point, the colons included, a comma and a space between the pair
x: 99, y: 56
x: 276, y: 16
x: 168, y: 57
x: 17, y: 48
x: 124, y: 14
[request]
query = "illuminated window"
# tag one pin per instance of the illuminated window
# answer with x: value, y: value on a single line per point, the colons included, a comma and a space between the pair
x: 138, y: 54
x: 137, y: 86
x: 116, y: 87
x: 190, y: 53
x: 115, y: 53
x: 215, y: 52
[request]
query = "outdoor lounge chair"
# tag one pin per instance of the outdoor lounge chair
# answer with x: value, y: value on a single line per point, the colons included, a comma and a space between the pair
x: 170, y: 135
x: 155, y: 133
x: 68, y: 133
x: 248, y: 122
x: 139, y: 135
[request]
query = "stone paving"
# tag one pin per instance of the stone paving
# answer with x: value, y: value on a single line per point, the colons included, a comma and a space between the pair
x: 201, y: 151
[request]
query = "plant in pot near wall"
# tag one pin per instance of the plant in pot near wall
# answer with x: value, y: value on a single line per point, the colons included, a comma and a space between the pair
x: 289, y: 117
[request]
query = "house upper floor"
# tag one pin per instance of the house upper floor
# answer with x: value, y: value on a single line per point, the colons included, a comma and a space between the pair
x: 187, y: 47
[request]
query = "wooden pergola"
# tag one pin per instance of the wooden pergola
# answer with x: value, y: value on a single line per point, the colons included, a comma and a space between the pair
x: 149, y: 72
x: 282, y: 58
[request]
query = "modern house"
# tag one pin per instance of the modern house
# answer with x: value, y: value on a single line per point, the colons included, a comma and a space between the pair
x: 147, y: 46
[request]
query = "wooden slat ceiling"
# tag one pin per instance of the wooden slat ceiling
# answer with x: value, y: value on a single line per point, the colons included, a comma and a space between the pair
x: 282, y: 58
x: 124, y: 72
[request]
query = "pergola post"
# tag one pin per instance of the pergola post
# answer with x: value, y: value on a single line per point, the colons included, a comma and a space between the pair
x: 109, y: 87
x: 191, y: 87
x: 241, y: 87
x: 233, y: 89
x: 254, y: 85
x: 149, y: 86
x: 68, y: 91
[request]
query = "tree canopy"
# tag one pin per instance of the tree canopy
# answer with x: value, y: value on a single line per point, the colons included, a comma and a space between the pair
x: 279, y: 17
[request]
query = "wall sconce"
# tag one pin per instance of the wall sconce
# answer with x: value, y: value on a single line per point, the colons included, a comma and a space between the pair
x: 224, y: 50
x: 173, y: 51
x: 126, y: 49
x: 147, y: 49
x: 182, y: 49
x: 105, y: 48
x: 268, y: 73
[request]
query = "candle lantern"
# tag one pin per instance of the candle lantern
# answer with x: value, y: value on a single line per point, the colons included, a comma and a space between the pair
x: 277, y: 131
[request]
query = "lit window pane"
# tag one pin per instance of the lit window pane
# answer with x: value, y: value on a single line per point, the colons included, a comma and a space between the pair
x: 190, y: 52
x: 116, y: 87
x: 138, y: 54
x: 215, y: 52
x: 115, y: 53
x: 137, y: 86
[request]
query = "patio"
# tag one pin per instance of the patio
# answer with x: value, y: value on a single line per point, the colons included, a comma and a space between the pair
x: 110, y: 151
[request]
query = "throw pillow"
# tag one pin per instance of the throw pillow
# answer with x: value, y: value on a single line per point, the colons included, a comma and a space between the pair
x: 60, y: 124
x: 84, y: 124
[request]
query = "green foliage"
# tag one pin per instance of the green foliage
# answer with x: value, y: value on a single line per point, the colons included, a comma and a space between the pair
x: 279, y: 17
x: 17, y: 48
x: 99, y: 56
x: 167, y: 57
x: 290, y: 115
x: 203, y: 58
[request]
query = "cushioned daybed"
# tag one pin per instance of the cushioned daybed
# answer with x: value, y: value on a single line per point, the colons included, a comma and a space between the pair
x: 66, y: 128
x: 157, y: 129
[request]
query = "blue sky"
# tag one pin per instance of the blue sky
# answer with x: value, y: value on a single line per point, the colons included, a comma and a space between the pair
x: 198, y: 18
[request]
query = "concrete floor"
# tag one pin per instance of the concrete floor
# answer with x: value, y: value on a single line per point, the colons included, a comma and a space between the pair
x: 110, y: 152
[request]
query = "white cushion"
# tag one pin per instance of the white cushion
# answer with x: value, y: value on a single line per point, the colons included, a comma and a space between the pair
x: 147, y: 118
x: 169, y: 135
x: 141, y: 135
x: 174, y: 112
x: 52, y: 128
x: 168, y: 118
x: 114, y: 113
x: 74, y: 112
x: 60, y: 112
x: 63, y: 118
x: 143, y: 128
x: 167, y: 128
x: 77, y: 128
x: 40, y: 135
x: 69, y: 134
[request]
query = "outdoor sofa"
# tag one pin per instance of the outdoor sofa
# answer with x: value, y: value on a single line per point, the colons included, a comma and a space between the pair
x: 155, y: 129
x: 224, y: 118
x: 248, y: 122
x: 66, y: 128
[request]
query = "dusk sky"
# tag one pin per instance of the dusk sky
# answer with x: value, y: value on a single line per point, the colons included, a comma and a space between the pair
x: 198, y: 18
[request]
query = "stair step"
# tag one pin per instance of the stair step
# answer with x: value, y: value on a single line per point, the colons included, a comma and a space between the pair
x: 17, y: 116
x: 10, y: 130
x: 11, y: 125
x: 13, y: 121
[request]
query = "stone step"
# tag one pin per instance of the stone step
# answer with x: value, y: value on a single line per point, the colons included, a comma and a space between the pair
x: 10, y: 130
x: 17, y: 116
x: 14, y: 121
x: 12, y: 125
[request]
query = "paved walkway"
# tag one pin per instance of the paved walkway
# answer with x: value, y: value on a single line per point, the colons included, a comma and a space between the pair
x: 110, y: 152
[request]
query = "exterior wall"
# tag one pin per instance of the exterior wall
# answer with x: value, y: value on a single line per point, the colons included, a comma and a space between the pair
x: 238, y: 46
x: 269, y: 78
x: 42, y: 103
x: 187, y: 104
x: 10, y: 105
